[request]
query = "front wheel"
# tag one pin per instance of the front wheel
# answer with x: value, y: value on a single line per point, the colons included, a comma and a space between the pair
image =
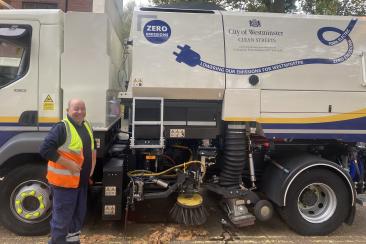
x: 25, y: 206
x: 318, y: 202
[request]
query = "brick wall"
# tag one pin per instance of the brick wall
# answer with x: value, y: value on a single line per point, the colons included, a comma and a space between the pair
x: 3, y: 7
x: 81, y: 5
x: 72, y: 5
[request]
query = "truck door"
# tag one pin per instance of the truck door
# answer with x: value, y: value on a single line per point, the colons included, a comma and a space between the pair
x: 19, y: 44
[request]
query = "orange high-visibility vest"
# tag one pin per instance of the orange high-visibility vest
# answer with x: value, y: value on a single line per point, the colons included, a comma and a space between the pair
x: 72, y: 149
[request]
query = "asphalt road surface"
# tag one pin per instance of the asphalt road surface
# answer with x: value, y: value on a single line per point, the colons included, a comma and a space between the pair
x: 149, y: 224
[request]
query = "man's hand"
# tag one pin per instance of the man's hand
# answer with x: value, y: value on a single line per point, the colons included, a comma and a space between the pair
x: 70, y: 165
x: 74, y: 168
x: 94, y: 161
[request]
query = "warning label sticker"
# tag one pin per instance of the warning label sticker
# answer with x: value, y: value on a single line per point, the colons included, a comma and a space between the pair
x: 48, y: 103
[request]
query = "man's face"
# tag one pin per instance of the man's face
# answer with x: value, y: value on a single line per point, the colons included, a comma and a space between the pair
x: 77, y: 111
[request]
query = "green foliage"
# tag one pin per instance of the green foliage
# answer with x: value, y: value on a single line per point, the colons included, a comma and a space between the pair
x: 246, y: 5
x: 334, y: 7
x: 320, y: 6
x: 328, y: 7
x: 164, y: 2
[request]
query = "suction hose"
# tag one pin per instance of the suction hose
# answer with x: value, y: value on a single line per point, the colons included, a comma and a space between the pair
x: 235, y: 156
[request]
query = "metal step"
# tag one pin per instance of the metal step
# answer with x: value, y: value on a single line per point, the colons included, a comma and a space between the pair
x: 147, y: 123
x: 135, y: 143
x: 361, y: 199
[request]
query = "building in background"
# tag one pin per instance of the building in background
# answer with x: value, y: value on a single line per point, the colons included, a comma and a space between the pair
x: 64, y: 5
x: 112, y: 8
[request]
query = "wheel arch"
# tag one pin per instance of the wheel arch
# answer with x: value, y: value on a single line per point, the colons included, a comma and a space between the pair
x: 19, y: 160
x: 284, y: 169
x: 334, y: 168
x: 21, y: 148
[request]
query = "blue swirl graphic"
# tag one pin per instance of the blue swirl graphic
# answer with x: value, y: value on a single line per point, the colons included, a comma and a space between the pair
x: 192, y: 58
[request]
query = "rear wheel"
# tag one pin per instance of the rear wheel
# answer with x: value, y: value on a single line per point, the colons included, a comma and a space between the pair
x: 25, y: 206
x: 318, y: 202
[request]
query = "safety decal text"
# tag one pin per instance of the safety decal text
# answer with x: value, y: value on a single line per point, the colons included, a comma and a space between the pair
x: 48, y: 103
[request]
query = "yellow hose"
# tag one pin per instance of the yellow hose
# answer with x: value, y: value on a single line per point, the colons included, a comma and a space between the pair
x: 149, y: 173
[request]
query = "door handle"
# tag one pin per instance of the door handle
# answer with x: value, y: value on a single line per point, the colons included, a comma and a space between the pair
x: 363, y: 66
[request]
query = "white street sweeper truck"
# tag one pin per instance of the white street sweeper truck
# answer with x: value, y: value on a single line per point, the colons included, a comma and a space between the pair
x: 264, y: 111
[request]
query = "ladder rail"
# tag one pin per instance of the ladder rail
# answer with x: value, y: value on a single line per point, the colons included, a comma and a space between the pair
x: 132, y: 141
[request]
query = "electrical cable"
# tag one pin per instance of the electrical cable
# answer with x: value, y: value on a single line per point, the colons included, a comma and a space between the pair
x: 185, y: 148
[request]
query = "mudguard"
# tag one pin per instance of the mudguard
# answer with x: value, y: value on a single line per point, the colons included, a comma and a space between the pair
x: 26, y: 142
x: 284, y: 169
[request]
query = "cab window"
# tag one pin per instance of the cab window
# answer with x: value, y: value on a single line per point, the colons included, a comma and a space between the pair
x: 14, y: 53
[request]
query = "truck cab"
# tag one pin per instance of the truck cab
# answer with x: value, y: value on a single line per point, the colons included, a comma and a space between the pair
x: 46, y: 58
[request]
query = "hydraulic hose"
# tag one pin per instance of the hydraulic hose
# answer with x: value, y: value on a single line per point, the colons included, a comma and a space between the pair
x: 149, y: 173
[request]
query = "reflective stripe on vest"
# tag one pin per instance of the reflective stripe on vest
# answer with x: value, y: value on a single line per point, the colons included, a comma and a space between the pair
x: 72, y: 149
x: 61, y: 171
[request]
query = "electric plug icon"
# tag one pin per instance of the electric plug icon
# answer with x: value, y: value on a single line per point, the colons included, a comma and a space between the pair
x: 187, y: 56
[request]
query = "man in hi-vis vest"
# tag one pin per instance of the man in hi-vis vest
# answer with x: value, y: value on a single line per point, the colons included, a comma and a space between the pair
x: 69, y: 149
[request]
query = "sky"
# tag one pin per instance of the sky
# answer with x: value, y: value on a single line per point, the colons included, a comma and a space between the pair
x: 138, y: 2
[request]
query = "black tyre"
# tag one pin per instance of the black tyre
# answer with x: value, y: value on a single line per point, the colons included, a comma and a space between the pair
x: 263, y: 210
x: 318, y: 202
x: 25, y: 206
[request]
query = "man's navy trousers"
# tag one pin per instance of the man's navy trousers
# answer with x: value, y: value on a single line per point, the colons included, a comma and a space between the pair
x: 68, y: 214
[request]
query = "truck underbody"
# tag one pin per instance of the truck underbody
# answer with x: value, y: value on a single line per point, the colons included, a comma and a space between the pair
x: 251, y: 173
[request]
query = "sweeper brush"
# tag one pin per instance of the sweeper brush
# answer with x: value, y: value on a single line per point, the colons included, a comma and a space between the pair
x: 189, y: 210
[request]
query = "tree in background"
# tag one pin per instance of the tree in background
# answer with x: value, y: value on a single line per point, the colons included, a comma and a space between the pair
x: 334, y: 7
x: 278, y: 6
x: 329, y: 7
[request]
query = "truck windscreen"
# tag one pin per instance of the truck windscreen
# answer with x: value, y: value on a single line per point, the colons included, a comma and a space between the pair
x: 14, y: 53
